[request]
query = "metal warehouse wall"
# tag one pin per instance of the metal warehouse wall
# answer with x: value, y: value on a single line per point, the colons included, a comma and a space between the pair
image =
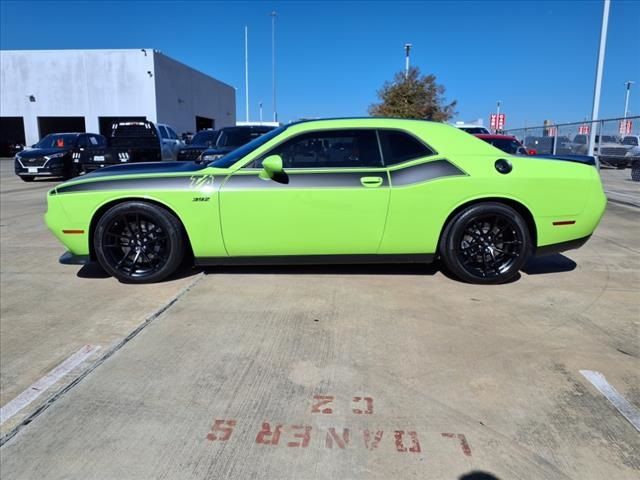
x: 79, y: 83
x: 108, y: 83
x: 182, y: 93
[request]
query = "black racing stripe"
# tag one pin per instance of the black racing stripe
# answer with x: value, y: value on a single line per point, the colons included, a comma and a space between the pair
x: 161, y: 183
x: 303, y: 180
x: 424, y: 172
x: 140, y: 168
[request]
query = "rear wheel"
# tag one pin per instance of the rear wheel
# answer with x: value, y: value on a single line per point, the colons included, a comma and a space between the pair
x: 139, y: 242
x: 486, y: 243
x: 27, y: 178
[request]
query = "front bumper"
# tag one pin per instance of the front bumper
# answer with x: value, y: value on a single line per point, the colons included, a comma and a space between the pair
x: 47, y: 170
x: 68, y: 258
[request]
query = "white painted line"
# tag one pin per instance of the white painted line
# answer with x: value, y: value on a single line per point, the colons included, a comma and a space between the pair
x: 627, y: 409
x: 39, y: 387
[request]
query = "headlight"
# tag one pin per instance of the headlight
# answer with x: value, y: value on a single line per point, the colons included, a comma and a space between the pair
x: 210, y: 158
x: 55, y: 155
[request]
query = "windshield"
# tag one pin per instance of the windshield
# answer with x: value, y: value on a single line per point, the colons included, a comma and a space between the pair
x: 507, y: 145
x: 205, y: 137
x: 232, y: 157
x: 59, y: 140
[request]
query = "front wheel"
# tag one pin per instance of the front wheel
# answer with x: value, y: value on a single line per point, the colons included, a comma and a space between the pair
x: 486, y: 243
x: 139, y: 242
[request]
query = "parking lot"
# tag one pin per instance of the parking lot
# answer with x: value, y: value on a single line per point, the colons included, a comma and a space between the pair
x: 320, y: 372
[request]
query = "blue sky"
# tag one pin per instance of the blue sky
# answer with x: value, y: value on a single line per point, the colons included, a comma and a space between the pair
x: 537, y: 57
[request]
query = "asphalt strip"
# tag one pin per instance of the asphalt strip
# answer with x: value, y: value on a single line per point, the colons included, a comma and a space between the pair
x: 147, y: 321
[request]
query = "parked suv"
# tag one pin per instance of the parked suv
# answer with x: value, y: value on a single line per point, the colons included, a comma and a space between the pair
x: 57, y: 155
x: 201, y: 141
x: 231, y: 138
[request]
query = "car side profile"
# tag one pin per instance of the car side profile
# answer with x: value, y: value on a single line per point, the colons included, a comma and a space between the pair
x: 333, y: 191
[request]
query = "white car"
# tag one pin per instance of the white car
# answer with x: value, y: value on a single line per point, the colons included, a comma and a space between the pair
x: 472, y: 129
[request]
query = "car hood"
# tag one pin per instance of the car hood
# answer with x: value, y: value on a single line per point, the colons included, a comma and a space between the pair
x: 154, y: 176
x: 41, y: 152
x: 145, y: 168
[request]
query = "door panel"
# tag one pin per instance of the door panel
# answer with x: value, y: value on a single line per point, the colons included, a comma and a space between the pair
x: 315, y: 213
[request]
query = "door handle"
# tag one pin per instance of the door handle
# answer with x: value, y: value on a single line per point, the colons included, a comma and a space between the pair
x: 371, y: 181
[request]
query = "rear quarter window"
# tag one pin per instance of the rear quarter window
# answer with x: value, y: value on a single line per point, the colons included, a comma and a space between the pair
x: 398, y: 147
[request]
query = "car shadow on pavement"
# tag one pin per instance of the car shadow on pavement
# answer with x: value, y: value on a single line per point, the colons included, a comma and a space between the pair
x: 94, y: 271
x: 555, y: 263
x: 333, y: 269
x: 535, y: 266
x: 478, y: 475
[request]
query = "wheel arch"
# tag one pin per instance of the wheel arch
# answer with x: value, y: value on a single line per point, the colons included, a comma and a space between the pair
x: 515, y: 204
x: 102, y: 209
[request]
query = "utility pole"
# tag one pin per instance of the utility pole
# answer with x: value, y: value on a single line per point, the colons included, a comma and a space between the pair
x: 407, y: 49
x: 628, y: 83
x: 273, y: 63
x: 598, y: 85
x: 246, y: 72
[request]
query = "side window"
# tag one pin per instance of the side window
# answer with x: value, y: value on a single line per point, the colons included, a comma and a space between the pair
x: 93, y: 140
x: 400, y: 147
x: 172, y: 134
x: 330, y: 149
x: 163, y: 132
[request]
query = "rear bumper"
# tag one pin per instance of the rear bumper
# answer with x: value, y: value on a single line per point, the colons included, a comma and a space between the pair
x: 561, y: 247
x: 68, y: 258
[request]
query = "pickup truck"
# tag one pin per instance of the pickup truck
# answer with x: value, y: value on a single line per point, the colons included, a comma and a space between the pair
x: 129, y: 142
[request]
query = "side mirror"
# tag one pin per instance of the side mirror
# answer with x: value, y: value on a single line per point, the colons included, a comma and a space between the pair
x: 272, y: 168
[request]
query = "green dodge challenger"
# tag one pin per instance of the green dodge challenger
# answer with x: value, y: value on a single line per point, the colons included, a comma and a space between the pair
x: 339, y: 191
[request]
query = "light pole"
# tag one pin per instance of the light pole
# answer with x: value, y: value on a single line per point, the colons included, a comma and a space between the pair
x: 260, y: 105
x: 598, y: 85
x: 498, y: 103
x: 407, y: 49
x: 273, y: 63
x: 628, y: 83
x: 246, y: 72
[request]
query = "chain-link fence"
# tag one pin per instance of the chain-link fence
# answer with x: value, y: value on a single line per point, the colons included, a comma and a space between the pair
x: 617, y: 140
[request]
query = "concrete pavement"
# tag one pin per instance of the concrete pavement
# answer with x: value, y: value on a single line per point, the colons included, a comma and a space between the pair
x: 325, y: 372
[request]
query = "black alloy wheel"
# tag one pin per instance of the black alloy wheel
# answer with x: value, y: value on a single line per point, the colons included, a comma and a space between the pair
x: 139, y: 242
x: 486, y: 243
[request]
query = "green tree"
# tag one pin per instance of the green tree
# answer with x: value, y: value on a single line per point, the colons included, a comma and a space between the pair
x: 416, y: 96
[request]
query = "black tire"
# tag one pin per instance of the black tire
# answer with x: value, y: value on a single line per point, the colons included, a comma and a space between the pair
x: 485, y: 243
x: 27, y: 178
x: 139, y: 242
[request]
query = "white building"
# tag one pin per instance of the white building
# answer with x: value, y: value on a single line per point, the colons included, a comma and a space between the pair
x: 47, y: 91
